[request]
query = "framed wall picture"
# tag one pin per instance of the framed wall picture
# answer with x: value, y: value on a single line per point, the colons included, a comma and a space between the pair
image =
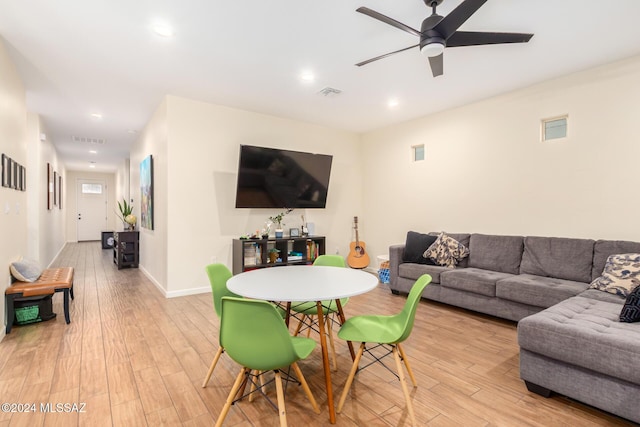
x: 6, y: 171
x: 49, y: 186
x: 146, y: 192
x: 59, y: 191
x: 15, y: 177
x: 55, y: 188
x: 294, y: 232
x: 23, y: 180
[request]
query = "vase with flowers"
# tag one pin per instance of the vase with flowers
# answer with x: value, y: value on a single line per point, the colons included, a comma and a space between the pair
x: 126, y: 215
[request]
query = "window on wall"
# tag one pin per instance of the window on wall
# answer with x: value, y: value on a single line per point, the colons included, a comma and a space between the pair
x: 418, y: 152
x: 91, y: 188
x: 554, y: 128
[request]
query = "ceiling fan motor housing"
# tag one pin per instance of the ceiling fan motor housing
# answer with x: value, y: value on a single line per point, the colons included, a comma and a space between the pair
x: 428, y: 34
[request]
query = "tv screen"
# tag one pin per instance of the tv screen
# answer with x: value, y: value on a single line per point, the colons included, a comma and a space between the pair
x: 274, y: 178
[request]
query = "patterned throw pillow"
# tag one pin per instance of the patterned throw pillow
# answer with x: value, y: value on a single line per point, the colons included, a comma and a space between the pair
x: 446, y: 251
x: 631, y: 310
x: 620, y: 276
x: 25, y: 270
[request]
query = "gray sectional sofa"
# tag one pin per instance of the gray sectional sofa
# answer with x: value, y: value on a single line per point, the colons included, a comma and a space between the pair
x: 571, y: 339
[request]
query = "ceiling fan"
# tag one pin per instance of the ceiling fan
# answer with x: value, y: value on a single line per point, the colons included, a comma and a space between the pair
x: 438, y: 32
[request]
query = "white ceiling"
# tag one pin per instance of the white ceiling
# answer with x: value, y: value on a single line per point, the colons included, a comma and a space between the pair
x: 81, y: 57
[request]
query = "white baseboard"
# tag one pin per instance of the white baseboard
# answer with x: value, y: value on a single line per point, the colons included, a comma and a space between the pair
x: 174, y: 294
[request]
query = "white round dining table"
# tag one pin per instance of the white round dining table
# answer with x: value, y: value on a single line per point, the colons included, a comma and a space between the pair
x: 306, y: 283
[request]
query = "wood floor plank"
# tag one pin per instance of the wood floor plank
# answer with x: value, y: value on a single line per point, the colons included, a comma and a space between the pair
x: 135, y: 357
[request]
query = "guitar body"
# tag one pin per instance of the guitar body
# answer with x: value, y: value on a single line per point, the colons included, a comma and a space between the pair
x: 358, y: 257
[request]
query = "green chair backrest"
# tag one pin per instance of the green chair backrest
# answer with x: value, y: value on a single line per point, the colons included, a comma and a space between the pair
x: 253, y: 334
x: 408, y: 314
x: 218, y: 276
x: 330, y: 260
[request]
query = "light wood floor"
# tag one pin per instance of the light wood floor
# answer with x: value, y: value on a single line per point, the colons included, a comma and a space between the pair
x: 136, y: 358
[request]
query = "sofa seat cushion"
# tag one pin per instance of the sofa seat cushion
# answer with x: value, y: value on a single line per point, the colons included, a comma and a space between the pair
x: 413, y: 271
x: 537, y: 290
x: 475, y: 280
x: 497, y: 253
x: 602, y: 296
x: 585, y: 332
x: 564, y: 258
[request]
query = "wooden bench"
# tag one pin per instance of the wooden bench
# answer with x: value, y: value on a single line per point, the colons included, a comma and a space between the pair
x: 50, y: 281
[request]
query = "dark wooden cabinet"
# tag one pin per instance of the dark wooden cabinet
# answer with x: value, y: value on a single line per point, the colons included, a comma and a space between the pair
x: 254, y: 253
x: 126, y: 248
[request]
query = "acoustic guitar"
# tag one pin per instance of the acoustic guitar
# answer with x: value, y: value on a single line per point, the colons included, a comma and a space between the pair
x: 358, y: 257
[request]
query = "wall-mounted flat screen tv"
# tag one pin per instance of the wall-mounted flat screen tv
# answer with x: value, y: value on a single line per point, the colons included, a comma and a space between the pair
x: 274, y: 178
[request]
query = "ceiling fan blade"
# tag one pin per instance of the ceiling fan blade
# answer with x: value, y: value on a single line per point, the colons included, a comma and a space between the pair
x: 473, y: 38
x: 436, y: 63
x: 360, y: 64
x: 457, y: 17
x: 387, y: 20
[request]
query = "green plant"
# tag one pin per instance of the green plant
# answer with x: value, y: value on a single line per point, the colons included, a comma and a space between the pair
x: 274, y: 251
x: 278, y: 218
x: 125, y: 209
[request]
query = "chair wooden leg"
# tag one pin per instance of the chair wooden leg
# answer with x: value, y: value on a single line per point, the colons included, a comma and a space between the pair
x: 281, y: 409
x: 305, y: 387
x: 347, y: 385
x: 254, y: 386
x: 406, y: 363
x: 300, y: 323
x: 213, y: 365
x: 403, y: 382
x: 234, y: 390
x: 328, y: 323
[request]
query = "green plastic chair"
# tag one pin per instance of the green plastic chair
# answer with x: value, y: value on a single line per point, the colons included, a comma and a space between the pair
x: 309, y: 309
x: 255, y: 336
x: 218, y: 276
x: 386, y: 331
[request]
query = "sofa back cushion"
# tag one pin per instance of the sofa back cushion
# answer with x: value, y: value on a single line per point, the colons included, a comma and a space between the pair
x: 496, y: 253
x: 603, y: 248
x: 559, y: 257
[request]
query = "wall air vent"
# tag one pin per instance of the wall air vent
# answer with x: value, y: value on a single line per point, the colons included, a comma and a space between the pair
x: 85, y: 140
x: 330, y: 92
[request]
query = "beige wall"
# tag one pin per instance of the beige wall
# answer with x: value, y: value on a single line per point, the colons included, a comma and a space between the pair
x: 153, y: 243
x: 486, y: 170
x: 13, y: 143
x: 195, y: 181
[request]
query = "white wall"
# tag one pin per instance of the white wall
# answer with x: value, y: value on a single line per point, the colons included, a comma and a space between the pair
x: 195, y: 182
x: 486, y: 170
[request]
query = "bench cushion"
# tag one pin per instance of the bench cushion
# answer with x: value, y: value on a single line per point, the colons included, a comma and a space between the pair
x: 585, y: 332
x: 49, y: 281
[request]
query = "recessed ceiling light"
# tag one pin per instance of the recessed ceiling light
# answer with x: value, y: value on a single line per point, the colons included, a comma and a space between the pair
x: 132, y: 131
x: 307, y: 76
x: 163, y: 30
x: 93, y: 152
x: 92, y: 165
x: 96, y: 115
x: 393, y: 103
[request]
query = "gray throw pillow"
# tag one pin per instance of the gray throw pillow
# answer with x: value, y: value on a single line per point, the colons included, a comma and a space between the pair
x: 25, y: 270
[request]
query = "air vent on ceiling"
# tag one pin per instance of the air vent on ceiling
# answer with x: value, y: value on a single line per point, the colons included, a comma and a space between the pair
x: 330, y: 92
x: 85, y: 140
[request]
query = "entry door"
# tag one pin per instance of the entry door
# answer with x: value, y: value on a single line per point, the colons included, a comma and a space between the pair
x: 92, y: 209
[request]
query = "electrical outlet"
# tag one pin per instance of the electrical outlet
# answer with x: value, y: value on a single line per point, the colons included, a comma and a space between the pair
x: 337, y: 250
x: 214, y: 259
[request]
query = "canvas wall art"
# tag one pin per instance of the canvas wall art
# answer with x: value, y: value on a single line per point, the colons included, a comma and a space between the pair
x: 146, y: 193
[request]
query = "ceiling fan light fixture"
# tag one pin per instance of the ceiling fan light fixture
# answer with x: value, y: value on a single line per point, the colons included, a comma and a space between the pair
x: 432, y: 49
